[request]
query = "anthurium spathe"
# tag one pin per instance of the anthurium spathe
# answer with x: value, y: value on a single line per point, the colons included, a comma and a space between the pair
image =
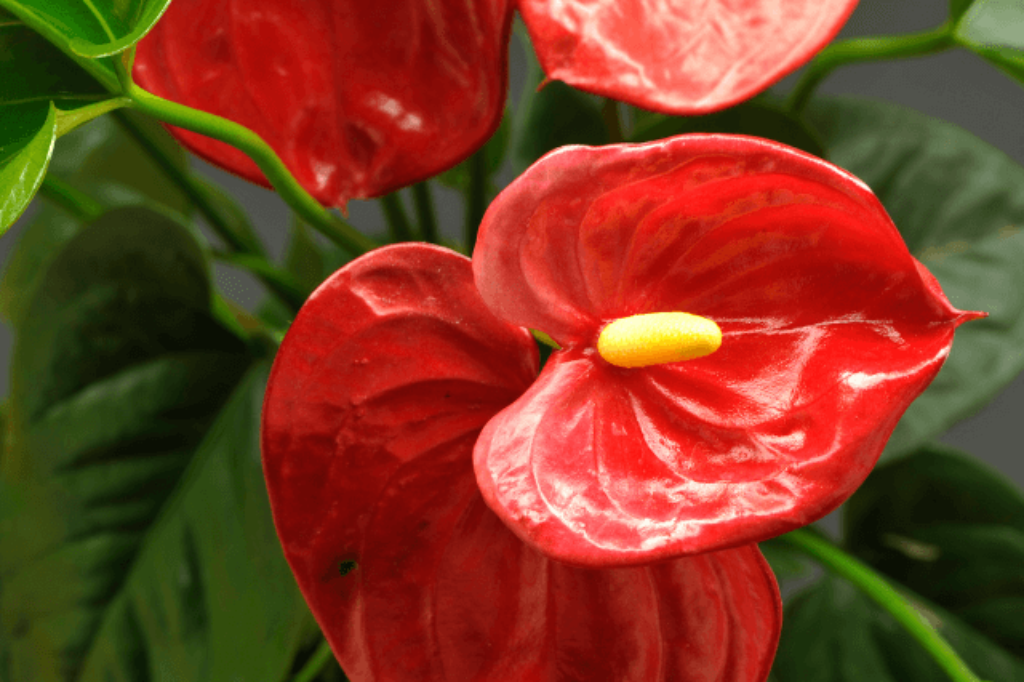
x: 741, y: 327
x: 373, y: 406
x: 679, y: 57
x: 361, y: 98
x: 357, y: 97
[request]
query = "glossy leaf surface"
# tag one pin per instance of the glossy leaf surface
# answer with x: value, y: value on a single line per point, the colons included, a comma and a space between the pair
x: 992, y: 28
x: 116, y: 376
x: 97, y: 28
x: 375, y: 399
x: 358, y: 99
x: 959, y: 204
x: 951, y: 530
x: 830, y: 328
x: 105, y: 162
x: 834, y: 634
x: 35, y: 80
x: 683, y: 57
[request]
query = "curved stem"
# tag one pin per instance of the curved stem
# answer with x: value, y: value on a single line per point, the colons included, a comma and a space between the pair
x: 333, y: 227
x: 315, y: 664
x: 192, y: 188
x: 425, y: 211
x: 476, y: 197
x: 398, y: 221
x: 858, y: 50
x: 78, y: 204
x: 883, y: 594
x: 612, y: 121
x: 277, y: 281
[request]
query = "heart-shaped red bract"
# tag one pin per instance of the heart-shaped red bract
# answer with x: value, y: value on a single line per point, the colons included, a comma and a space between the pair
x: 372, y: 409
x: 685, y: 57
x: 830, y: 329
x: 357, y: 97
x: 361, y: 98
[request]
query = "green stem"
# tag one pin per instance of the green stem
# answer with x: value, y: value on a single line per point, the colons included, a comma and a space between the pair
x: 315, y: 664
x: 425, y: 211
x: 241, y: 238
x: 476, y: 197
x: 398, y: 221
x: 193, y: 188
x: 859, y: 50
x: 883, y: 594
x: 333, y: 227
x: 78, y: 204
x: 612, y: 122
x: 277, y: 281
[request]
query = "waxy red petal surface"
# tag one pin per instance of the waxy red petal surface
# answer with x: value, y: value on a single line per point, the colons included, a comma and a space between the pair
x: 830, y: 329
x: 373, y: 406
x: 683, y: 57
x: 358, y: 98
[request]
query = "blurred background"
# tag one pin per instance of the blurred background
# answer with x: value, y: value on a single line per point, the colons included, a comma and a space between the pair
x: 956, y: 86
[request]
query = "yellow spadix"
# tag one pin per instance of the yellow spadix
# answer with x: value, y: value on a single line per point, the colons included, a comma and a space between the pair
x: 657, y: 338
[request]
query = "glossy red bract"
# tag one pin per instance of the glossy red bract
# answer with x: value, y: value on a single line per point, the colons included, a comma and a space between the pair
x: 374, y: 403
x: 362, y: 98
x: 357, y: 98
x: 684, y: 57
x: 830, y: 329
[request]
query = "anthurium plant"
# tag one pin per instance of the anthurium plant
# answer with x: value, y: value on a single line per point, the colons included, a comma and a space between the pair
x: 587, y: 434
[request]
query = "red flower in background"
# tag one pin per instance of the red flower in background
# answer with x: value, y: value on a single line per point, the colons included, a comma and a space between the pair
x: 375, y: 401
x: 829, y: 328
x: 362, y: 98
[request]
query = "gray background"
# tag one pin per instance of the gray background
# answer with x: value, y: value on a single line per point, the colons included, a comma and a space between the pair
x: 955, y: 86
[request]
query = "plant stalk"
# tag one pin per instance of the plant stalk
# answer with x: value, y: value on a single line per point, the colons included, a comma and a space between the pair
x: 882, y: 593
x: 860, y: 50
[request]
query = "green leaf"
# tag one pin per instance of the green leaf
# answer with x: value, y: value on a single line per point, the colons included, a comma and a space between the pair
x: 140, y: 543
x: 90, y: 28
x: 959, y: 204
x: 761, y: 119
x: 43, y: 95
x: 995, y: 30
x: 105, y: 162
x: 26, y: 144
x: 957, y: 8
x: 832, y: 633
x: 950, y: 529
x: 787, y: 563
x: 556, y: 116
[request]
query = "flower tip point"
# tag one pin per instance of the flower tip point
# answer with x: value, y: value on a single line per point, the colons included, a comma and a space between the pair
x: 968, y: 315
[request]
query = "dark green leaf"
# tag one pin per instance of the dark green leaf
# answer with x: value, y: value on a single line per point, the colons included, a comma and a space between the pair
x: 957, y: 8
x: 832, y: 633
x: 139, y: 544
x: 558, y: 115
x: 786, y: 562
x: 948, y: 528
x: 106, y: 163
x: 43, y: 94
x: 92, y: 29
x: 995, y: 30
x: 959, y: 204
x: 760, y: 119
x: 26, y: 143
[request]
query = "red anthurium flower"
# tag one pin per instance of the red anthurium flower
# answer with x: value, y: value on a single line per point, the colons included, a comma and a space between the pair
x: 361, y: 98
x: 375, y: 401
x: 679, y: 57
x: 808, y: 326
x: 357, y: 97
